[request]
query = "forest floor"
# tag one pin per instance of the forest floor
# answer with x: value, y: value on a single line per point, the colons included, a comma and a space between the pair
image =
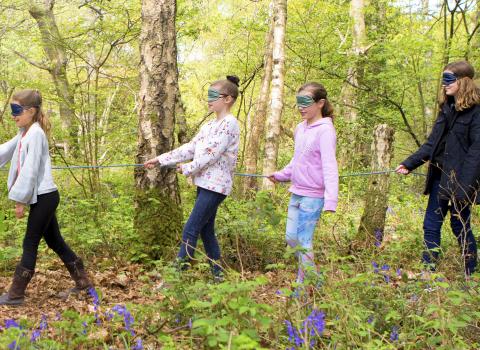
x: 117, y: 285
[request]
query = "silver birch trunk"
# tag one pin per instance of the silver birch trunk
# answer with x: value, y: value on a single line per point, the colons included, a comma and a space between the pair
x: 276, y: 101
x: 349, y: 98
x: 254, y: 143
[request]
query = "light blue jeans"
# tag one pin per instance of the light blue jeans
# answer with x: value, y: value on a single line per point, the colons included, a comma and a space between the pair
x: 303, y: 215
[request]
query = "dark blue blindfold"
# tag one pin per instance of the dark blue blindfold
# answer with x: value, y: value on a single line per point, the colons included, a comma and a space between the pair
x: 19, y: 109
x: 16, y: 109
x: 448, y: 78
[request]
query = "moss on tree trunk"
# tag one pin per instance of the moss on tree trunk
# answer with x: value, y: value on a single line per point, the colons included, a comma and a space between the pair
x: 158, y: 223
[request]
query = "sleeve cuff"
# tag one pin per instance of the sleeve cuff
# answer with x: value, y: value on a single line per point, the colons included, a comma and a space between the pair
x: 280, y: 177
x: 330, y: 205
x: 161, y: 160
x: 407, y: 165
x: 17, y: 199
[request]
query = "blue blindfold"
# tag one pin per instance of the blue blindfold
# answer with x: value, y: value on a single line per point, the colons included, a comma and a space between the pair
x: 448, y: 78
x: 19, y: 109
x: 16, y: 109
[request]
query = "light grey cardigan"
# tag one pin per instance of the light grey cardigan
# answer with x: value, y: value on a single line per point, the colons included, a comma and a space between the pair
x: 35, y: 177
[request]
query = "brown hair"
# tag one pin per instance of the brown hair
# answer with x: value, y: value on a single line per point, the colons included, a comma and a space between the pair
x: 228, y: 86
x: 319, y: 93
x: 33, y: 99
x: 468, y: 92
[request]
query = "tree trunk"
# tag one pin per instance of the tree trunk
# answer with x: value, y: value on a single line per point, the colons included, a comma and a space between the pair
x: 372, y: 223
x: 425, y: 6
x: 258, y: 121
x: 158, y: 216
x: 349, y: 98
x: 476, y: 40
x: 57, y: 64
x: 473, y: 34
x: 276, y: 101
x: 181, y: 121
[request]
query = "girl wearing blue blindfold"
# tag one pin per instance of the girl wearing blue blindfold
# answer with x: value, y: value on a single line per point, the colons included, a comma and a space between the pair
x: 30, y: 183
x: 213, y: 155
x: 453, y: 154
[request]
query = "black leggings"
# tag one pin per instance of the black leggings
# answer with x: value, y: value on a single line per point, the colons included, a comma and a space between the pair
x: 42, y: 222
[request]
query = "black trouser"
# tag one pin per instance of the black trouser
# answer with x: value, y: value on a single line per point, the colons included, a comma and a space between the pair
x: 42, y: 222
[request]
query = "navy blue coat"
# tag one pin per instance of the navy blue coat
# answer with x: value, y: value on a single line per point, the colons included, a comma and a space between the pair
x: 460, y: 179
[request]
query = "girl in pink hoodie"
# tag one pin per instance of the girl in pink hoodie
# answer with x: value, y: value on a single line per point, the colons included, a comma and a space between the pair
x: 313, y: 173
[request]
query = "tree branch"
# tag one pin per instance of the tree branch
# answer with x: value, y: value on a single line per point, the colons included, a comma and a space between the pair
x: 33, y: 63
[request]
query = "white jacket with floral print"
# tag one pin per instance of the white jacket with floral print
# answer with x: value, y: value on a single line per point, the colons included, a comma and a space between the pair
x: 213, y: 152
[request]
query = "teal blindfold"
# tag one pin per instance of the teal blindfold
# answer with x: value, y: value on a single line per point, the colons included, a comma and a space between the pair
x: 304, y: 101
x: 213, y: 95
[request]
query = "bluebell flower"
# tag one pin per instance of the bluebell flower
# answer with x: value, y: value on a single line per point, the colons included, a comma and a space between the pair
x: 14, y: 346
x: 394, y: 334
x: 127, y: 317
x: 138, y: 345
x: 375, y: 267
x: 370, y: 319
x: 43, y: 323
x: 293, y: 335
x: 84, y: 324
x: 35, y: 335
x: 96, y: 300
x: 119, y: 309
x: 313, y: 325
x: 399, y: 272
x: 10, y: 323
x: 387, y: 278
x: 317, y: 320
x: 378, y: 237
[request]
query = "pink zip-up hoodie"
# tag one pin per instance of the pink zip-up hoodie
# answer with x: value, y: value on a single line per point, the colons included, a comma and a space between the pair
x: 313, y: 169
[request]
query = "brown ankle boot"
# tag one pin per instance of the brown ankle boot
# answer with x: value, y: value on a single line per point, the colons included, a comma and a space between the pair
x: 16, y: 293
x: 79, y: 275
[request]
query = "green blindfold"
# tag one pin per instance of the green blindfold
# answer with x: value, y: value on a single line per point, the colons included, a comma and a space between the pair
x: 304, y: 101
x: 213, y: 95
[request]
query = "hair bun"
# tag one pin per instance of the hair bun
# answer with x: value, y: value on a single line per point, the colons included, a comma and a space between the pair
x: 234, y: 79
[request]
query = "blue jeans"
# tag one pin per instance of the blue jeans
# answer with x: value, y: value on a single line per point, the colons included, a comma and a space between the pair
x: 437, y: 209
x: 303, y: 215
x: 202, y: 223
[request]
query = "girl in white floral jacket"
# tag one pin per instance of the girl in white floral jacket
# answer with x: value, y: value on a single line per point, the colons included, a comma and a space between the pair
x: 213, y: 154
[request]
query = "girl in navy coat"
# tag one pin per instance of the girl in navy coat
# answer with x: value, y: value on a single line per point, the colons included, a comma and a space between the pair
x: 453, y: 153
